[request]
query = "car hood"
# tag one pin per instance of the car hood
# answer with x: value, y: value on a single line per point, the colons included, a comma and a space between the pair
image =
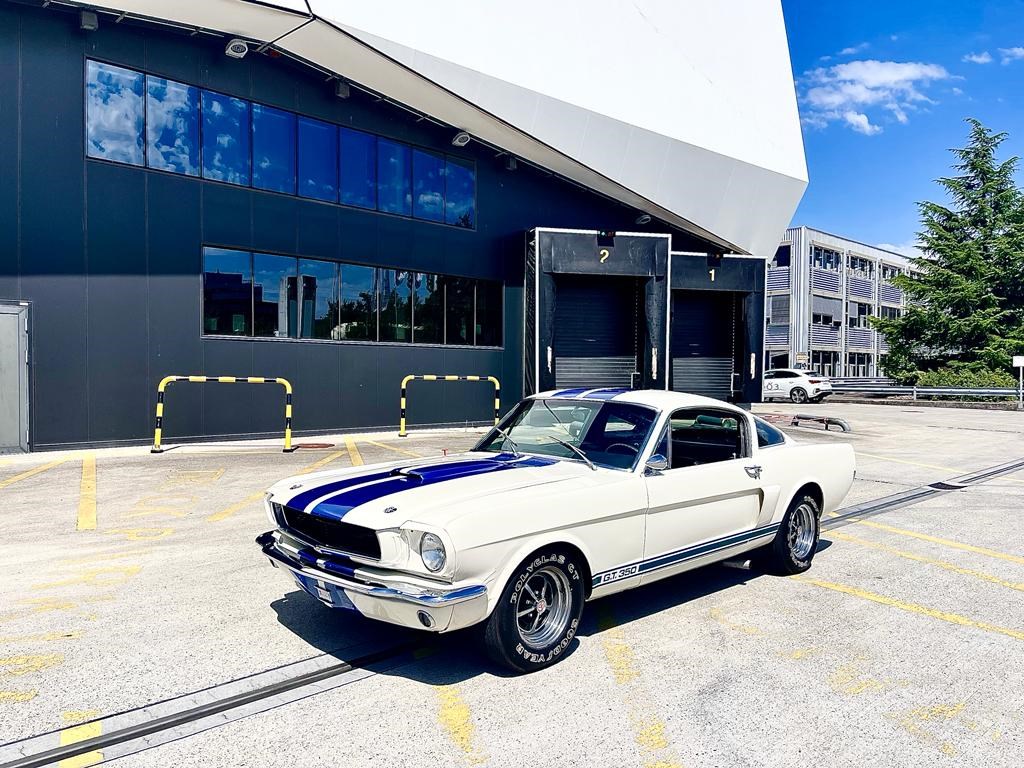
x: 432, y: 491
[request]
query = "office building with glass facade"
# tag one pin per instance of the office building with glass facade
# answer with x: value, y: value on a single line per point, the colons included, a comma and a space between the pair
x: 821, y: 291
x: 232, y: 188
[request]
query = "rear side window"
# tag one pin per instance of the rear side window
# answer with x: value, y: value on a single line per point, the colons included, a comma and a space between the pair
x: 767, y: 435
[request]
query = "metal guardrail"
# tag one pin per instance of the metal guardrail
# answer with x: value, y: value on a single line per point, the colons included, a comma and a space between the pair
x: 884, y: 387
x: 435, y: 377
x: 158, y: 430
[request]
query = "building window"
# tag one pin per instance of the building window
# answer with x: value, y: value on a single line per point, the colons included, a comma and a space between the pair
x: 459, y: 304
x: 114, y: 113
x: 428, y: 309
x: 172, y: 126
x: 858, y: 315
x: 358, y: 309
x: 819, y: 318
x: 318, y: 160
x: 889, y: 272
x: 488, y: 314
x: 460, y: 193
x: 428, y: 172
x: 141, y: 119
x: 861, y: 267
x: 890, y: 313
x: 858, y: 364
x: 825, y: 258
x: 317, y: 299
x: 394, y: 194
x: 225, y: 138
x: 273, y: 149
x: 358, y: 168
x: 275, y: 296
x: 395, y: 305
x: 227, y: 292
x: 781, y: 256
x: 825, y: 363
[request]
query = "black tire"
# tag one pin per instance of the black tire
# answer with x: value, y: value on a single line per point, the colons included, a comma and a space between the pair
x: 798, y: 395
x: 793, y: 548
x: 507, y: 642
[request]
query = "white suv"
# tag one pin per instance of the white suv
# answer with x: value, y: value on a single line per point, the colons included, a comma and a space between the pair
x: 796, y: 385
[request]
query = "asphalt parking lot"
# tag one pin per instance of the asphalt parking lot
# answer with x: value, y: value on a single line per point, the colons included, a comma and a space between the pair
x: 131, y: 579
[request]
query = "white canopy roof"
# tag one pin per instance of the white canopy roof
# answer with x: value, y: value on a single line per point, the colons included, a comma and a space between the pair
x: 685, y: 110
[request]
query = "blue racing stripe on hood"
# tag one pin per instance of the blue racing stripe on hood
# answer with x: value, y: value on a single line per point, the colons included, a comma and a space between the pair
x: 339, y: 505
x: 605, y: 394
x: 308, y: 497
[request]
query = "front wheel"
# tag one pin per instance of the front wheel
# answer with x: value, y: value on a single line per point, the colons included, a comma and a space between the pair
x: 797, y: 538
x: 538, y: 613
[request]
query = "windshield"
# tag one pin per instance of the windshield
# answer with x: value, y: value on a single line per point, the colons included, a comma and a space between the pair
x: 610, y: 434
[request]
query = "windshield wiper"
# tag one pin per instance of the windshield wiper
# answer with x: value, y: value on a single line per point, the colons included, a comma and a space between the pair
x: 575, y: 450
x: 508, y: 439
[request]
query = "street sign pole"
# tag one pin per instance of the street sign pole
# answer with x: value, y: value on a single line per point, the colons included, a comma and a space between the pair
x: 1018, y: 363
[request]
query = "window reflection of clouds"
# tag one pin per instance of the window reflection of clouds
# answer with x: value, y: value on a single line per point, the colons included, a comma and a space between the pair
x: 428, y: 185
x: 114, y: 113
x: 394, y: 194
x: 225, y: 138
x: 273, y: 149
x: 172, y: 126
x: 358, y: 168
x: 318, y: 160
x: 460, y: 193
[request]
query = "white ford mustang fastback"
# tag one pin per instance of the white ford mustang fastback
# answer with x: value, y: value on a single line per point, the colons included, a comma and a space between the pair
x: 575, y: 495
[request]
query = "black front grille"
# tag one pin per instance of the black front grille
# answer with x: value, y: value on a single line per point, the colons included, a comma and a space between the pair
x: 354, y: 539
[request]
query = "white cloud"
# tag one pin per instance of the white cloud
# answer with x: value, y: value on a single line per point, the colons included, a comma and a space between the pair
x: 978, y: 58
x: 1011, y: 54
x: 910, y: 249
x: 860, y: 123
x: 957, y: 91
x: 848, y: 92
x: 853, y: 50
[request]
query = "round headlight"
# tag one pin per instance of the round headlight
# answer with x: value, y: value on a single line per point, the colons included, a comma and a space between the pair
x: 432, y: 552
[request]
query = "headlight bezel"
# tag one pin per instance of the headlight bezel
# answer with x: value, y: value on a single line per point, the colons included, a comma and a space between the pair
x: 431, y: 542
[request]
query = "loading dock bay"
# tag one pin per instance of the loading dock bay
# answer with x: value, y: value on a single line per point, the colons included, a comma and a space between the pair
x: 132, y: 579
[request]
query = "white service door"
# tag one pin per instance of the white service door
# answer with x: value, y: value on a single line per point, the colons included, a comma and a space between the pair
x: 693, y: 513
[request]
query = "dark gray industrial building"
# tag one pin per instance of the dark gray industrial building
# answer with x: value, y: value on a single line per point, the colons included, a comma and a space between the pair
x: 168, y: 209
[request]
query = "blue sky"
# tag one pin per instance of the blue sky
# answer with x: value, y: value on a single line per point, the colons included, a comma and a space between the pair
x: 884, y: 87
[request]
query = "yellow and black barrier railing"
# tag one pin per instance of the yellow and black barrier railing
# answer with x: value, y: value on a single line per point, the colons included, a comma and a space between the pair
x: 432, y: 377
x: 158, y: 431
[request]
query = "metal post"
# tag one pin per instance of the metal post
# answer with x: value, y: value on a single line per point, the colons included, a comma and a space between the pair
x: 402, y: 432
x: 1020, y: 388
x: 401, y: 421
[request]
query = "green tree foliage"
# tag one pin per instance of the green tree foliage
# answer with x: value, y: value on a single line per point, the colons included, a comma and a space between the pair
x: 966, y: 298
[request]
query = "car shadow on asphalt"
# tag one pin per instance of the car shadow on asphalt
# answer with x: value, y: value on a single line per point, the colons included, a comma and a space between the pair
x: 452, y: 658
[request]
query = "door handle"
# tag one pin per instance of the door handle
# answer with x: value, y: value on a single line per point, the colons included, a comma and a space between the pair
x: 754, y: 472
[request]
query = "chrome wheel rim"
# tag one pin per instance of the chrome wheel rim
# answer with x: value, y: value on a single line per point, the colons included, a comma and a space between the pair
x: 798, y: 396
x: 802, y: 529
x: 543, y: 607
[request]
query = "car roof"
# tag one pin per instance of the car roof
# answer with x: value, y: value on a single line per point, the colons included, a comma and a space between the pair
x: 797, y: 371
x: 656, y: 398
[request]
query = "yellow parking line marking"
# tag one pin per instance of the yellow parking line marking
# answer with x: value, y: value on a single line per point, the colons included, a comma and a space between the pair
x: 402, y: 451
x: 30, y: 473
x: 648, y: 727
x: 353, y: 452
x: 454, y: 716
x: 840, y: 536
x: 921, y: 464
x: 258, y: 496
x: 87, y: 495
x: 939, y: 540
x: 952, y: 618
x: 77, y: 733
x: 96, y: 577
x: 103, y: 556
x: 17, y: 697
x: 27, y: 664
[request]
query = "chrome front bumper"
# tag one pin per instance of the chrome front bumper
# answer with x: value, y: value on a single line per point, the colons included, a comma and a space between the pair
x: 394, y: 601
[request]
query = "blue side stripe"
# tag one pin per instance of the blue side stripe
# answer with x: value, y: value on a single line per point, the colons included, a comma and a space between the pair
x: 682, y: 555
x: 341, y: 504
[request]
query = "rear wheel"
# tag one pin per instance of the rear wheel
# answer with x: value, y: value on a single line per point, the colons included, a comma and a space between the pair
x: 538, y: 613
x: 797, y: 538
x: 798, y: 395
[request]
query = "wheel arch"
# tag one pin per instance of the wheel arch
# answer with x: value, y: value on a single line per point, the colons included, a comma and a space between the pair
x: 812, y: 488
x: 530, y: 547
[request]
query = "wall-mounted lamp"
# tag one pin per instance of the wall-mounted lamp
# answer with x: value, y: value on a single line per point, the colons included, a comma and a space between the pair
x: 88, y: 21
x: 342, y: 89
x: 643, y: 218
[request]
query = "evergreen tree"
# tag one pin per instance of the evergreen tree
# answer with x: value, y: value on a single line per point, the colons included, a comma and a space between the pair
x: 966, y: 293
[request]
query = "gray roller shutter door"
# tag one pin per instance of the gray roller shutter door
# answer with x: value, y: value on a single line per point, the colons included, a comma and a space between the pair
x: 703, y: 342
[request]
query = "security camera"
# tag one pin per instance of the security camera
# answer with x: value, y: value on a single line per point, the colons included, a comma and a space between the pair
x: 461, y: 139
x: 643, y: 218
x: 237, y: 48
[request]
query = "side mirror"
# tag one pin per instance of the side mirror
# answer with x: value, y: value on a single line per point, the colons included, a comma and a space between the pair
x: 655, y: 465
